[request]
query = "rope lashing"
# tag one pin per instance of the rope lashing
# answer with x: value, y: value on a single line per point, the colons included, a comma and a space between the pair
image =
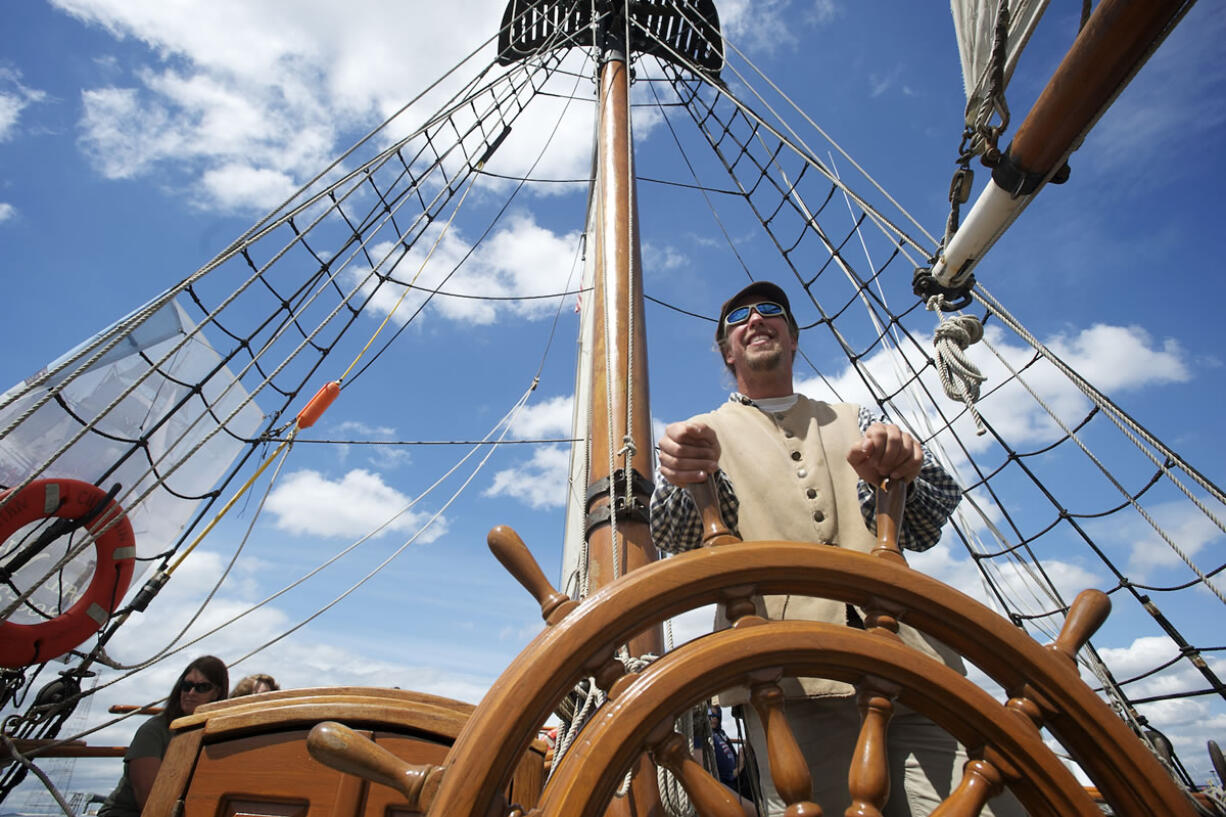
x: 959, y: 377
x: 672, y: 796
x: 628, y: 449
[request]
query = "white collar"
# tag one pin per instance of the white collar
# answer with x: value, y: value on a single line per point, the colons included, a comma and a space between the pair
x: 768, y: 404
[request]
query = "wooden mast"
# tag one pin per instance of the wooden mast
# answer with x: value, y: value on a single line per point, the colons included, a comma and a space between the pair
x: 618, y: 431
x: 620, y: 426
x: 620, y: 418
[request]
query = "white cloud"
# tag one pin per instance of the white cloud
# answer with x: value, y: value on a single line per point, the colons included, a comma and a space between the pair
x: 879, y: 84
x: 540, y: 482
x: 380, y: 457
x: 1139, y: 656
x: 823, y: 12
x: 262, y: 86
x: 307, y: 503
x: 757, y: 26
x: 247, y: 150
x: 1121, y: 357
x: 122, y: 134
x: 522, y: 259
x: 658, y: 259
x: 7, y: 211
x: 1116, y: 358
x: 358, y: 427
x: 236, y: 186
x: 1187, y: 722
x: 10, y: 110
x: 14, y: 101
x: 554, y: 142
x: 546, y: 419
x: 1014, y: 581
x: 1183, y: 523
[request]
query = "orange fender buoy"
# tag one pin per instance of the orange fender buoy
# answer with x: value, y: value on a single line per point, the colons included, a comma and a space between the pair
x: 115, y: 551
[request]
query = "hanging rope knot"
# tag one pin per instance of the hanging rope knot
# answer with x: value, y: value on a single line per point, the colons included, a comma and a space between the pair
x: 959, y: 377
x: 628, y: 447
x: 961, y: 330
x: 637, y: 663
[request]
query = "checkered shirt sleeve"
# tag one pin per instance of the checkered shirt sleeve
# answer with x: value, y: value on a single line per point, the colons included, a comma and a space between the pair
x: 676, y: 526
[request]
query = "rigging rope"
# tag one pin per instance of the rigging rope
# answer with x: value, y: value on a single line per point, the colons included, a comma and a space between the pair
x: 126, y: 500
x: 1051, y: 358
x: 287, y: 446
x: 334, y: 274
x: 798, y: 146
x: 747, y: 152
x: 791, y: 197
x: 16, y: 755
x: 505, y: 424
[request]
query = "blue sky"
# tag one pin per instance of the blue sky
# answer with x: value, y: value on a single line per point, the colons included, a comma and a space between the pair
x: 138, y: 139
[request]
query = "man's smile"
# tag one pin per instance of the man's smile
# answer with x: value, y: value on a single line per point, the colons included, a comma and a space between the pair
x: 759, y: 337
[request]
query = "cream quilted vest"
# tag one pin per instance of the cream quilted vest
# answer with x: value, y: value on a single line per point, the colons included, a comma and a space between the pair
x: 791, y: 475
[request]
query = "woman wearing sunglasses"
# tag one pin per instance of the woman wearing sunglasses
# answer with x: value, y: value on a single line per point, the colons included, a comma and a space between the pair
x: 203, y: 681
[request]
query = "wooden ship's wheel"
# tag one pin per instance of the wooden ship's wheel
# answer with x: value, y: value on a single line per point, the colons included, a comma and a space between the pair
x: 1003, y: 739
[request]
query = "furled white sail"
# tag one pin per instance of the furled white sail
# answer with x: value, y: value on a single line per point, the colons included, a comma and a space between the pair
x: 975, y: 27
x: 573, y: 556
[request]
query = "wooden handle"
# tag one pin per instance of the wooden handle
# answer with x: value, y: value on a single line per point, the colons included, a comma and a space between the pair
x: 714, y: 530
x: 891, y: 497
x: 708, y: 795
x: 339, y: 747
x: 514, y: 555
x: 1087, y: 613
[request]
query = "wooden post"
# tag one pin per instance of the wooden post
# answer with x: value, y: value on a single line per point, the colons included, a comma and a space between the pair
x: 620, y: 405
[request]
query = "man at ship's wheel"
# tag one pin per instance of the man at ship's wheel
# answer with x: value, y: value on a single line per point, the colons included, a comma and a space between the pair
x: 788, y: 467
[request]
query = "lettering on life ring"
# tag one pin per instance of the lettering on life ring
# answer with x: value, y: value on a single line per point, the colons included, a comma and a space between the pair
x: 115, y: 559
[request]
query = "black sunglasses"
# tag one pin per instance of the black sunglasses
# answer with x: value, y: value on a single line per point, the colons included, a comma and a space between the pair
x: 767, y: 309
x: 202, y: 687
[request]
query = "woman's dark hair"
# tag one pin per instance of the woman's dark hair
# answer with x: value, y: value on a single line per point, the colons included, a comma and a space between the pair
x: 212, y: 668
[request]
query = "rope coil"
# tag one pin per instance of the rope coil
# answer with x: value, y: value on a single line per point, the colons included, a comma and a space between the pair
x: 960, y: 378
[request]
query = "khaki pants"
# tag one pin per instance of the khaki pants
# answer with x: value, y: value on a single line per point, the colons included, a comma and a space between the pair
x: 923, y: 758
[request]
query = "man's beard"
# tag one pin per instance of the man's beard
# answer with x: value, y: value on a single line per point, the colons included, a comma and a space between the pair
x: 764, y: 360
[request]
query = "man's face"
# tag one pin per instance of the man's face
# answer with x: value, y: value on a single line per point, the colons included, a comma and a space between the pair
x: 759, y: 344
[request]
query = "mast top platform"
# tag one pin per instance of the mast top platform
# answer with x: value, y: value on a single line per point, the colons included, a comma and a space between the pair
x: 683, y: 32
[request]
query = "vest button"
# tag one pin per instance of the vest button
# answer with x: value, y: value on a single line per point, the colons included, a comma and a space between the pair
x: 811, y: 493
x: 818, y: 516
x: 802, y: 473
x: 796, y: 456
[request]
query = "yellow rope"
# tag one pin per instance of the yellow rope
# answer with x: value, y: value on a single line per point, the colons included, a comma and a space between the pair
x: 471, y: 182
x: 226, y: 508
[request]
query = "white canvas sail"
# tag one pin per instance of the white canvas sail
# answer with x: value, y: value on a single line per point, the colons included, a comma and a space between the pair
x: 161, y: 410
x: 975, y: 23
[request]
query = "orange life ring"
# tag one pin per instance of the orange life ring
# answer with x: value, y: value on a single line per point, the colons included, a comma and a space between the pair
x: 115, y: 549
